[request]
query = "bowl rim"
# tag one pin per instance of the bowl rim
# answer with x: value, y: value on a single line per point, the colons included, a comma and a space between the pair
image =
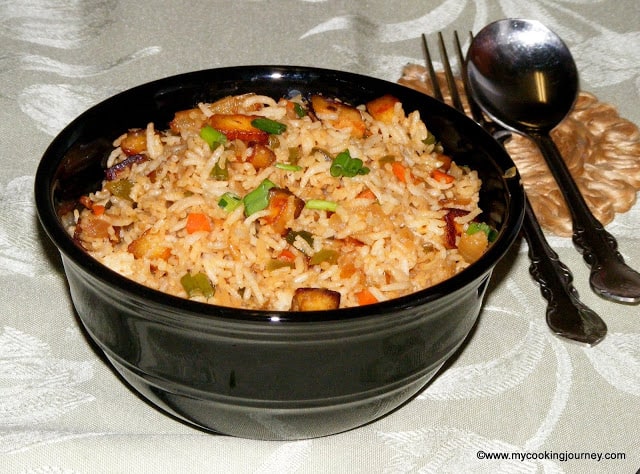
x: 55, y: 151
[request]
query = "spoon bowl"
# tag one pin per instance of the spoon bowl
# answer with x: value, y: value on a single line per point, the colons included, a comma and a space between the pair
x: 523, y: 76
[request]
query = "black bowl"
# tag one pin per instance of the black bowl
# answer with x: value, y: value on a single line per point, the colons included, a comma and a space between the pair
x: 268, y: 374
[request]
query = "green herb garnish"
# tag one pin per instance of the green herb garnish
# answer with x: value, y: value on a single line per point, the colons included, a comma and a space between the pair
x: 213, y: 137
x: 299, y: 110
x: 474, y: 227
x: 258, y: 199
x: 321, y: 205
x: 229, y: 201
x: 344, y: 165
x: 268, y: 125
x: 288, y: 167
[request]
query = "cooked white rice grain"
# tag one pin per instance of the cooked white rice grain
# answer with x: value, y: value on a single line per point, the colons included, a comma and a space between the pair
x: 388, y: 236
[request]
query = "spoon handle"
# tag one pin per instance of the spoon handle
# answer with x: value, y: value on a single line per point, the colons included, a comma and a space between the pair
x: 566, y: 315
x: 610, y: 277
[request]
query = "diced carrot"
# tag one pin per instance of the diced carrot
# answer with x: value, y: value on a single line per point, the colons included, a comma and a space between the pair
x: 347, y: 270
x: 367, y: 194
x: 287, y: 256
x: 442, y: 176
x: 197, y: 221
x: 399, y: 171
x: 97, y: 209
x: 365, y: 297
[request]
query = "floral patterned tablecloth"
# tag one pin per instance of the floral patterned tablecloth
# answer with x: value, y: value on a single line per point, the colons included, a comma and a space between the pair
x: 514, y: 392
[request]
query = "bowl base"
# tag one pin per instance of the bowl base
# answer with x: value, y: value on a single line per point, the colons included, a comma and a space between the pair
x: 272, y: 423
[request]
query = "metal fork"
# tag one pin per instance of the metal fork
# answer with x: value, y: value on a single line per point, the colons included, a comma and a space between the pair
x: 566, y: 315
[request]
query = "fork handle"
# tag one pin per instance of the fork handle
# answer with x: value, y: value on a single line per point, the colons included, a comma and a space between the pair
x: 566, y: 315
x: 610, y: 276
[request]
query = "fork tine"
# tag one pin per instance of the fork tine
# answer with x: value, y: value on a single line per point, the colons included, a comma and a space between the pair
x: 437, y: 92
x: 499, y: 133
x: 476, y: 113
x: 448, y: 73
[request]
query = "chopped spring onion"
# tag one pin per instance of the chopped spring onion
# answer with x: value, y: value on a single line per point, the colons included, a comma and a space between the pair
x: 344, y: 165
x: 258, y: 199
x: 213, y: 137
x: 268, y: 125
x: 299, y: 110
x: 474, y: 227
x: 229, y: 201
x: 288, y: 167
x: 197, y: 284
x: 321, y: 205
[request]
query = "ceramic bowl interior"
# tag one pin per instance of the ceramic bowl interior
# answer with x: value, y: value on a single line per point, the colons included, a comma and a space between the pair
x: 268, y: 374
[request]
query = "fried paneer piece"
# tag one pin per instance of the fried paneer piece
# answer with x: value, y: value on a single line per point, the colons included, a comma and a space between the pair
x: 315, y: 299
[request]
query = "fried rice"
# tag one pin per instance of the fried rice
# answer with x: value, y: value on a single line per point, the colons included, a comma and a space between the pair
x: 357, y: 202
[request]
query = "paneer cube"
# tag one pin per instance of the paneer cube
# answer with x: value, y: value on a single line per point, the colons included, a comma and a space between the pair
x: 150, y: 246
x: 339, y: 115
x: 315, y: 299
x: 188, y: 121
x: 383, y: 108
x: 238, y: 127
x: 284, y: 206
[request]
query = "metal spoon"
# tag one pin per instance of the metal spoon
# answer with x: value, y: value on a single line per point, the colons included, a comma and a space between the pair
x: 524, y: 77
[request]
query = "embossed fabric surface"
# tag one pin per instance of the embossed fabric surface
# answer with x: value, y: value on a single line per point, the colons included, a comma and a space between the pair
x: 513, y: 388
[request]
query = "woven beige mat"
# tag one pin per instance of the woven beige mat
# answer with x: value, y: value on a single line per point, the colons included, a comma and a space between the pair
x: 601, y: 149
